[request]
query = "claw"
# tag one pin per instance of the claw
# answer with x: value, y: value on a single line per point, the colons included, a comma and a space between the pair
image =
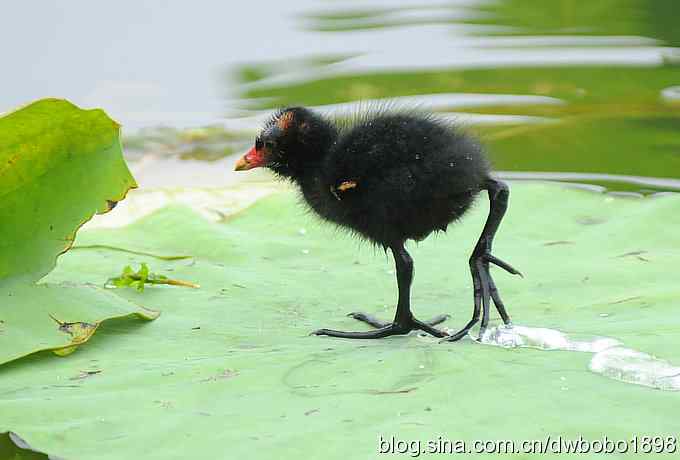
x: 485, y: 290
x: 462, y: 333
x: 499, y: 263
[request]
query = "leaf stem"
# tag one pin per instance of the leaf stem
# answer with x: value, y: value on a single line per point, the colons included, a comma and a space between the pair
x: 176, y: 283
x: 168, y: 281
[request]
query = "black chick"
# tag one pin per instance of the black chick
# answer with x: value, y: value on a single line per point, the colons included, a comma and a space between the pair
x: 389, y: 177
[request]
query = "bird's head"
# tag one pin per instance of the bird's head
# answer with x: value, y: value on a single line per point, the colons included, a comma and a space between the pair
x: 293, y: 140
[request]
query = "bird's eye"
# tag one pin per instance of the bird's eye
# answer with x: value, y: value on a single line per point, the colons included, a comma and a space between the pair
x: 269, y: 145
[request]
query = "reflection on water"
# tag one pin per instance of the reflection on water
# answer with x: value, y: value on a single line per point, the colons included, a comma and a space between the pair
x: 671, y: 94
x: 611, y: 65
x: 442, y: 103
x: 635, y: 184
x: 606, y: 73
x: 649, y: 18
x: 610, y: 358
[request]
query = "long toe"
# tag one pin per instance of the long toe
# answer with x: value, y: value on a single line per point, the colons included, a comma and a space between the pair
x: 425, y: 327
x: 462, y: 333
x: 499, y: 263
x: 489, y: 289
x: 437, y: 320
x: 376, y: 334
x: 369, y: 319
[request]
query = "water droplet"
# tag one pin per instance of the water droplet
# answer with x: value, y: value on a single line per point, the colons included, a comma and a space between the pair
x: 452, y: 164
x: 604, y: 315
x: 302, y: 231
x: 542, y: 339
x: 671, y: 94
x: 610, y: 358
x: 305, y: 251
x: 417, y: 156
x: 632, y: 366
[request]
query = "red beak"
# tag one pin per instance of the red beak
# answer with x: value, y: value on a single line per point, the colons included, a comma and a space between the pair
x: 253, y: 159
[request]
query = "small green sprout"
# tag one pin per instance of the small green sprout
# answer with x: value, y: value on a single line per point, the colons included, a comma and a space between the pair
x: 138, y: 279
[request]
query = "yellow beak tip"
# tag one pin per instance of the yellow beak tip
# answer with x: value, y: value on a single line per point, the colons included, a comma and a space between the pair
x: 241, y: 165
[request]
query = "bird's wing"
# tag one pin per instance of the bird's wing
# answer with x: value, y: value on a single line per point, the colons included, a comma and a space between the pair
x: 339, y: 190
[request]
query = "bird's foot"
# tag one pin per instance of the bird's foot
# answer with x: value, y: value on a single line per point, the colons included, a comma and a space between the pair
x: 386, y: 329
x: 485, y: 291
x: 378, y: 323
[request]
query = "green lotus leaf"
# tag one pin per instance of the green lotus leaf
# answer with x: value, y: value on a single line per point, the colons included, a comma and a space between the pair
x: 59, y: 165
x: 231, y: 371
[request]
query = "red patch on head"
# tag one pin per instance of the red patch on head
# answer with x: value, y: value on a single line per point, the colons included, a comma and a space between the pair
x: 253, y: 159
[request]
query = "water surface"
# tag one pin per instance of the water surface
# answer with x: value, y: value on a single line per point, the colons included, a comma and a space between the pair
x: 557, y: 90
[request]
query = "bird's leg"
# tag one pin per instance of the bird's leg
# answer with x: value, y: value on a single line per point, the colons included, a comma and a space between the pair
x: 403, y: 318
x: 404, y: 322
x: 485, y: 289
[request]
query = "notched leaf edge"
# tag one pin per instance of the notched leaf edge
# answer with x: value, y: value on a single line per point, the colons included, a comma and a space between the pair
x: 11, y: 440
